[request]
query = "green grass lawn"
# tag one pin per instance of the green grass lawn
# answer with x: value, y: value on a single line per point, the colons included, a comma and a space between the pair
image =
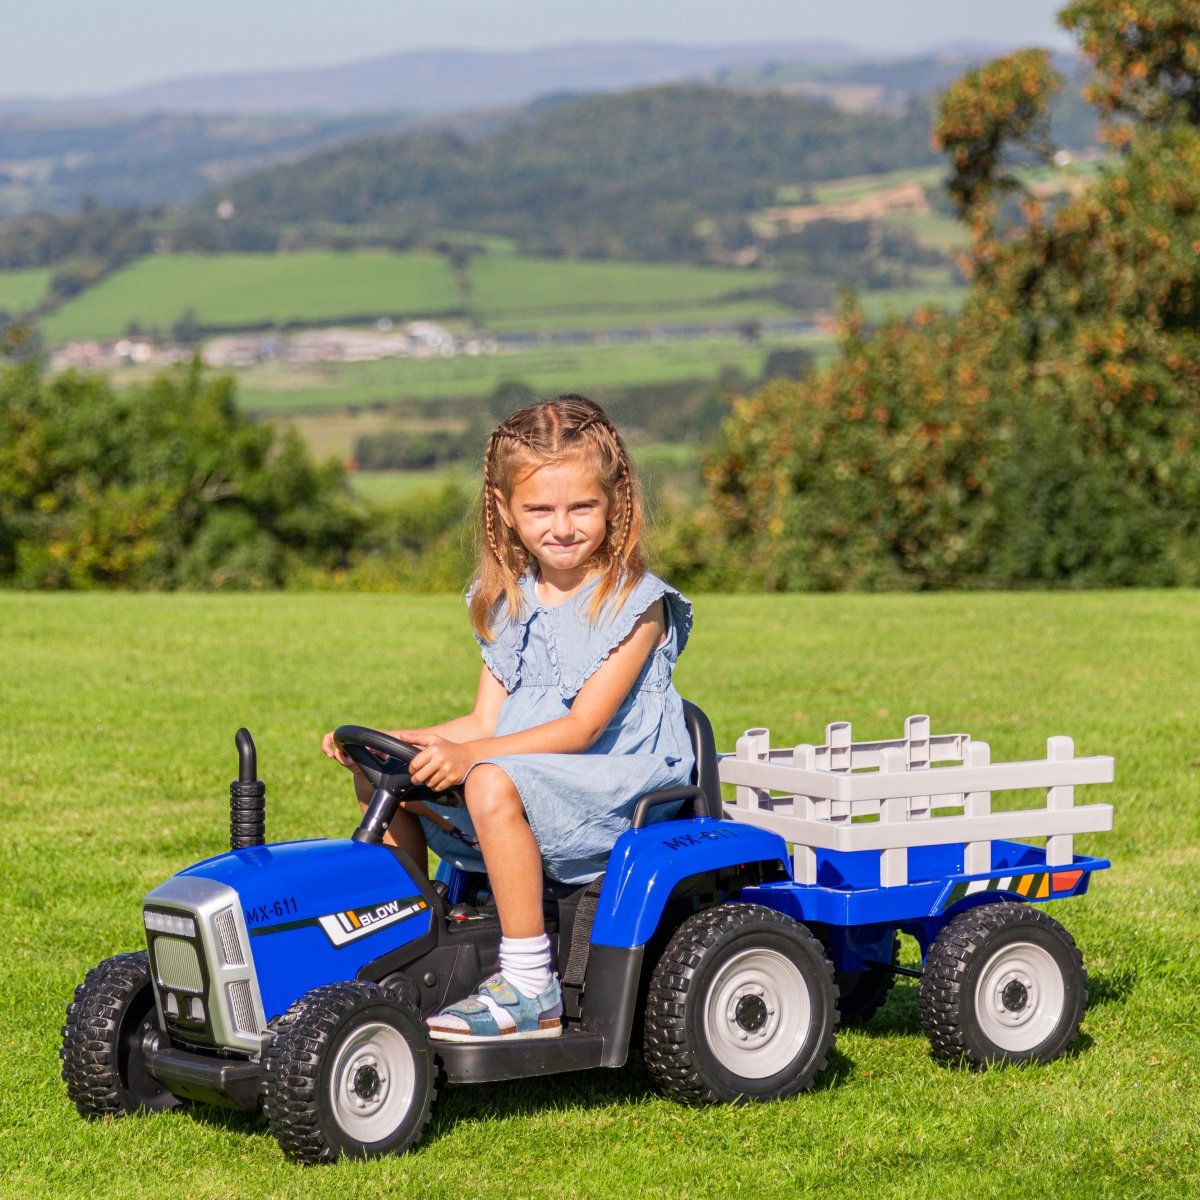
x: 235, y: 290
x: 117, y: 715
x: 22, y: 290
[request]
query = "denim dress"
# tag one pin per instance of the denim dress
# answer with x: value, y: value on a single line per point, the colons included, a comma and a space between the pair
x: 579, y: 804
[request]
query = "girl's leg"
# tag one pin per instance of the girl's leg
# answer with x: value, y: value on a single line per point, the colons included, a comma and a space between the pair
x: 524, y: 999
x: 405, y: 830
x: 509, y: 849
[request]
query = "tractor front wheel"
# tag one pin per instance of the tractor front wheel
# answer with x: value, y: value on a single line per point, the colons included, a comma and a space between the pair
x: 103, y: 1061
x: 349, y: 1072
x: 1003, y: 983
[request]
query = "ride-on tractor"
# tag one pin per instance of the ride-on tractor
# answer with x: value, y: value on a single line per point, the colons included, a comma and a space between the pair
x: 297, y: 976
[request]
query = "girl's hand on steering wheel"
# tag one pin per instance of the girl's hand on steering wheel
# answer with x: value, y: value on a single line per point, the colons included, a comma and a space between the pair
x: 331, y: 749
x: 441, y: 764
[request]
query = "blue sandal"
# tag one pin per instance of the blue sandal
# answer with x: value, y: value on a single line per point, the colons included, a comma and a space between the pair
x: 540, y: 1016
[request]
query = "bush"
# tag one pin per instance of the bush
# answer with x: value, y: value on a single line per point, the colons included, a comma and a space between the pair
x: 165, y: 486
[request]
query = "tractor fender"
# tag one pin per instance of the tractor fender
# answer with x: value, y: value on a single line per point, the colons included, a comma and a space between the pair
x: 648, y: 863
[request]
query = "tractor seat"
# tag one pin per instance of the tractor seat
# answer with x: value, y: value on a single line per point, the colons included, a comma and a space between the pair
x: 703, y: 794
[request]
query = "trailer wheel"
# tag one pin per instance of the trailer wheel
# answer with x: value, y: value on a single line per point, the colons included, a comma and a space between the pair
x: 103, y: 1062
x: 1003, y: 983
x: 349, y: 1072
x: 742, y: 1007
x: 861, y: 994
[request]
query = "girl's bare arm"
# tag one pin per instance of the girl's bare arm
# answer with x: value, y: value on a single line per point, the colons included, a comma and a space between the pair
x: 444, y: 761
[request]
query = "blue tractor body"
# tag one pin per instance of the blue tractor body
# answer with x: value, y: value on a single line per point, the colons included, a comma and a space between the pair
x: 317, y: 912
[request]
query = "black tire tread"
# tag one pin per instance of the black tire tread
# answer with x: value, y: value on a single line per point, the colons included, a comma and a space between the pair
x: 672, y: 1063
x: 292, y: 1063
x: 939, y: 998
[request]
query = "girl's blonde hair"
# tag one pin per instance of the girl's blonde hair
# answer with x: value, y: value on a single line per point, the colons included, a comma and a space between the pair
x: 535, y: 436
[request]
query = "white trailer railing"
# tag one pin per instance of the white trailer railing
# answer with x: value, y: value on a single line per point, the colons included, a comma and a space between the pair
x: 890, y: 796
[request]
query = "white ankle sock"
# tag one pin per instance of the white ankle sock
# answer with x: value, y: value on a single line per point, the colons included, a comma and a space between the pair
x: 525, y: 963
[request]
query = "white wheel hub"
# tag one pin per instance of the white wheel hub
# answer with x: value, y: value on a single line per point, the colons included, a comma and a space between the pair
x: 757, y: 1013
x: 1020, y: 996
x: 372, y: 1081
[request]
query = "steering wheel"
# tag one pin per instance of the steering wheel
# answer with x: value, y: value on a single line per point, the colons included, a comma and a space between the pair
x: 389, y: 774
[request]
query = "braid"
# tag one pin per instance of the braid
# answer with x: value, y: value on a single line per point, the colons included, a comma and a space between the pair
x: 489, y: 500
x: 620, y: 541
x: 624, y: 481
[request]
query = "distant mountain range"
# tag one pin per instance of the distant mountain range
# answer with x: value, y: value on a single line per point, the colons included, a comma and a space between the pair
x: 172, y: 142
x: 451, y: 80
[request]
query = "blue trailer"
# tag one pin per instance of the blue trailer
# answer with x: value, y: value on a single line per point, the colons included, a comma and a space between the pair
x: 734, y: 935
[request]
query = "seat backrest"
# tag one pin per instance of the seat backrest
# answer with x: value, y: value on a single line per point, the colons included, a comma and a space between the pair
x: 704, y: 746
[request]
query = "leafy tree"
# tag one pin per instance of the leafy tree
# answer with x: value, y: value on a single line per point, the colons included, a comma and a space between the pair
x: 1145, y: 57
x: 1050, y: 431
x: 161, y: 487
x: 19, y: 341
x: 790, y: 362
x: 187, y: 330
x: 985, y: 121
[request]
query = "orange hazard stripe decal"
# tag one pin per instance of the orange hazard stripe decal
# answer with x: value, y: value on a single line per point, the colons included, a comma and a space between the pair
x: 1037, y: 885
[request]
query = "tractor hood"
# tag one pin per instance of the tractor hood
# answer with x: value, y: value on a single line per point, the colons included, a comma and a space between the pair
x: 317, y: 911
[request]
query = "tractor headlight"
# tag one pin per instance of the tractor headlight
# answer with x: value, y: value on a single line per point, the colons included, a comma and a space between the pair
x: 161, y: 922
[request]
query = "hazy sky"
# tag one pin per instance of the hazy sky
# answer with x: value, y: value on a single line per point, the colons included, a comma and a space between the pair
x: 69, y: 47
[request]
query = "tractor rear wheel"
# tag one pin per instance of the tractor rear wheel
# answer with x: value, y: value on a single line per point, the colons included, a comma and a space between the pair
x: 742, y: 1007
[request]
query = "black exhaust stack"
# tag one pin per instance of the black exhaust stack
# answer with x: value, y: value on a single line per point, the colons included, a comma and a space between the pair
x: 247, y: 798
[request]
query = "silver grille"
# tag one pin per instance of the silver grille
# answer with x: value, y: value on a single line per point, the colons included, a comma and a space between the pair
x: 211, y: 961
x: 241, y: 1001
x: 177, y: 964
x: 231, y: 944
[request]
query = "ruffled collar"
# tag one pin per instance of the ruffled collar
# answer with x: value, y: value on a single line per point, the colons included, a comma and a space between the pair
x: 528, y: 585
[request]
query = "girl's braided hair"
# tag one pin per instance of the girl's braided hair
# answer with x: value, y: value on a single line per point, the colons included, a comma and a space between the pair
x: 567, y: 426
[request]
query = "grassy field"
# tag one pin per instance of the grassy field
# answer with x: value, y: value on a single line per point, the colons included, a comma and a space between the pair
x: 116, y: 749
x: 899, y: 302
x: 280, y: 389
x: 21, y: 290
x: 391, y: 487
x: 504, y: 291
x: 717, y: 315
x: 858, y: 187
x: 532, y: 289
x: 933, y: 230
x: 235, y: 290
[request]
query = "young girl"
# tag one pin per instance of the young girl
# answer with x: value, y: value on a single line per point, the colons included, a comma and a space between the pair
x: 575, y: 716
